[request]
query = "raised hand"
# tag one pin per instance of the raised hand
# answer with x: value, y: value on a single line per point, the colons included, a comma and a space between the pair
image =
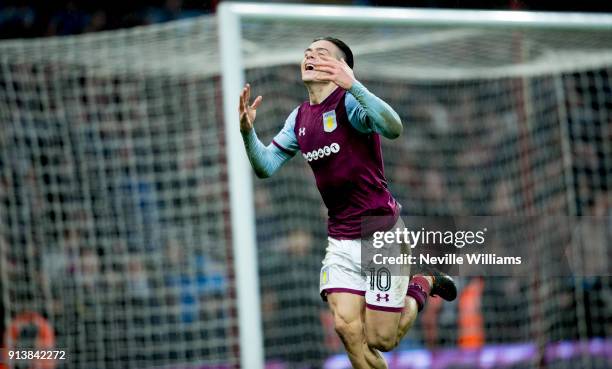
x: 334, y: 70
x: 247, y: 112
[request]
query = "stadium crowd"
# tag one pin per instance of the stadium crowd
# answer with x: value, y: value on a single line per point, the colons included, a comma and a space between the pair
x: 23, y: 19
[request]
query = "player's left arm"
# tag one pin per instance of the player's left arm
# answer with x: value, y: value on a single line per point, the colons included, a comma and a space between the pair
x: 367, y: 112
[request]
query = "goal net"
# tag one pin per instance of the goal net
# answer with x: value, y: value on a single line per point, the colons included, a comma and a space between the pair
x: 113, y: 193
x: 115, y: 210
x: 499, y: 121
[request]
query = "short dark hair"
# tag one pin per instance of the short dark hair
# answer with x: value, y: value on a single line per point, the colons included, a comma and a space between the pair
x: 348, y: 54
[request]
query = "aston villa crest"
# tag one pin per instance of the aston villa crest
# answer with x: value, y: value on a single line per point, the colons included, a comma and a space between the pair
x: 329, y: 121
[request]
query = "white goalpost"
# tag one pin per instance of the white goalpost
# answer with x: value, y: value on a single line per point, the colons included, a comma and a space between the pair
x: 241, y: 195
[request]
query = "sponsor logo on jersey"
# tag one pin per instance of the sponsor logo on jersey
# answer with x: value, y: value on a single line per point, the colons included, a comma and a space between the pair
x: 322, y: 152
x: 380, y: 297
x: 329, y: 121
x: 302, y: 131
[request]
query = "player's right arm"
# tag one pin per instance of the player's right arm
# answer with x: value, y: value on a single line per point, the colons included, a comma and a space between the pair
x: 265, y: 160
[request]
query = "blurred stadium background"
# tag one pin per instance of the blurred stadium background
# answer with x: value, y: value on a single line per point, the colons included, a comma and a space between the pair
x: 115, y: 236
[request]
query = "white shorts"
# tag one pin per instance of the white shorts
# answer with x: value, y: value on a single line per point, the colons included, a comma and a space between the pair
x: 341, y: 272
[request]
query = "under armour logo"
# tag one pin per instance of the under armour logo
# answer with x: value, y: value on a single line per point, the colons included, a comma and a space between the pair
x: 380, y: 297
x: 302, y: 131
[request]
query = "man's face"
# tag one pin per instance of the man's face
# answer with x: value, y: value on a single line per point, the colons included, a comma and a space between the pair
x: 313, y: 54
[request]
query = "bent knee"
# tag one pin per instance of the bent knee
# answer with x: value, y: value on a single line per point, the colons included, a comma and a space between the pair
x: 382, y: 343
x: 349, y: 331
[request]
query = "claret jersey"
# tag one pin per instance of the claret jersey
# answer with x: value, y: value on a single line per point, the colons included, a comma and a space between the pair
x: 344, y: 153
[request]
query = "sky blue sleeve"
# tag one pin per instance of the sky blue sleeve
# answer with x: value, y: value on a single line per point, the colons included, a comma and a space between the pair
x: 368, y: 113
x: 266, y: 160
x: 357, y: 116
x: 285, y: 139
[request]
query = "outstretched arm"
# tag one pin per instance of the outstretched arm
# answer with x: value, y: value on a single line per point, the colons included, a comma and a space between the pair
x: 265, y: 160
x: 371, y: 113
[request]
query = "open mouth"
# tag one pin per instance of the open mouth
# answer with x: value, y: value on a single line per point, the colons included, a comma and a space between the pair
x: 309, y: 67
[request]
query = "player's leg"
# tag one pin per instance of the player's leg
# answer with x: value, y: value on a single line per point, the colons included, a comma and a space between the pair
x: 389, y: 316
x: 408, y: 317
x: 389, y: 312
x: 393, y: 300
x: 386, y: 310
x: 381, y: 329
x: 348, y: 309
x: 414, y: 302
x: 420, y: 287
x: 343, y: 286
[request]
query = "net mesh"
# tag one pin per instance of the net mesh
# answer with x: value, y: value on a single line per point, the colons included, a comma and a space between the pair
x: 113, y: 190
x: 497, y: 122
x: 114, y: 198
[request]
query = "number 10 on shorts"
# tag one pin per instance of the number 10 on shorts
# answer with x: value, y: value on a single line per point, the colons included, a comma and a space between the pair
x: 380, y: 279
